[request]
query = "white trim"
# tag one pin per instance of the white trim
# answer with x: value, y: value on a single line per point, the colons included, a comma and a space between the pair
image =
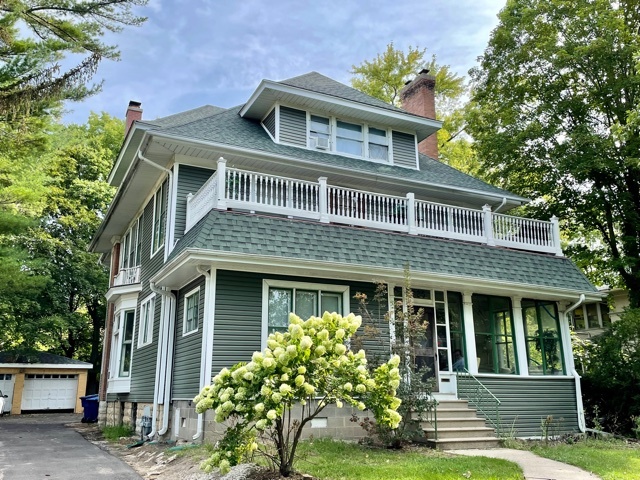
x: 276, y: 122
x: 469, y: 332
x: 302, y: 285
x: 184, y: 313
x: 66, y: 366
x: 520, y: 337
x: 416, y: 143
x: 172, y: 202
x: 148, y: 299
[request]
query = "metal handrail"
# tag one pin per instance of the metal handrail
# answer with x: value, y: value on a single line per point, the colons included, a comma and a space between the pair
x: 478, y: 395
x: 430, y: 415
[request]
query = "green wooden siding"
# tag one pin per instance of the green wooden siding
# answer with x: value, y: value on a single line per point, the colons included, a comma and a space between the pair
x: 404, y: 149
x: 293, y: 126
x: 143, y: 362
x: 527, y: 401
x: 270, y: 122
x: 190, y: 179
x: 238, y: 316
x: 188, y: 349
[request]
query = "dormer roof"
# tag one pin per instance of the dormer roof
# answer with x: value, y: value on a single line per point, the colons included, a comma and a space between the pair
x: 314, y: 91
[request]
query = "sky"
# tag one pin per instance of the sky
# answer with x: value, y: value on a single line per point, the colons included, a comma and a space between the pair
x: 191, y: 53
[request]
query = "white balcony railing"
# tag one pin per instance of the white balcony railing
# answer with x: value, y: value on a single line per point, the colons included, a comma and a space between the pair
x: 127, y: 276
x: 258, y: 192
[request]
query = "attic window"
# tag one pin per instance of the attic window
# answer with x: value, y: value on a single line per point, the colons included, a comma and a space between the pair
x: 319, y: 132
x: 349, y: 138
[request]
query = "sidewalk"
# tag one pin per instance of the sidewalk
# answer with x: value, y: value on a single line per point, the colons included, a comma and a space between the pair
x: 533, y: 466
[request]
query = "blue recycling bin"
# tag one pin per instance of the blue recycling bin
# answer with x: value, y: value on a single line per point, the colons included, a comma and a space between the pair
x: 90, y: 404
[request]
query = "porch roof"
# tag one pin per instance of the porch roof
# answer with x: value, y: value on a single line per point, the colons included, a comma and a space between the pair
x: 252, y: 234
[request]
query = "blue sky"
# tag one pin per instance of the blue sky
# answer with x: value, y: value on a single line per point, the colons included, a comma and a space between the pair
x: 195, y: 52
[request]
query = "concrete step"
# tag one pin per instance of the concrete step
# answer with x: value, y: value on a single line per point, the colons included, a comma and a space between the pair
x: 457, y: 412
x: 466, y: 432
x: 464, y: 443
x: 453, y: 404
x: 456, y: 422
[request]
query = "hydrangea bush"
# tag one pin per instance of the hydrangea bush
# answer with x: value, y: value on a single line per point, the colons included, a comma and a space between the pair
x: 309, y: 365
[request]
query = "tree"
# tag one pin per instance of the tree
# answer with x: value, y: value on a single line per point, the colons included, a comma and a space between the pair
x: 555, y: 104
x: 308, y: 366
x: 35, y: 35
x: 385, y: 76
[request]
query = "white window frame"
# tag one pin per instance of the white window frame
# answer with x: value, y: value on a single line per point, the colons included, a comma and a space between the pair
x: 127, y: 246
x: 320, y: 287
x: 161, y: 238
x: 146, y: 329
x: 192, y: 293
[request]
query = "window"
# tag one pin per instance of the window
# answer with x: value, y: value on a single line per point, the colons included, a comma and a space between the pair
x: 305, y: 300
x: 132, y: 245
x: 159, y: 219
x: 542, y: 337
x: 319, y: 128
x: 349, y: 138
x: 122, y: 342
x: 592, y: 315
x: 492, y: 321
x: 378, y: 144
x: 147, y: 312
x: 456, y: 331
x: 191, y: 311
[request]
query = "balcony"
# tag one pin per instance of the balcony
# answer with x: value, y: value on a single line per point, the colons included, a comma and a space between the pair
x: 127, y: 276
x: 258, y: 192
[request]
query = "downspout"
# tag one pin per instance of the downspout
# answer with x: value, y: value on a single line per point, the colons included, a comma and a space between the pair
x: 168, y: 344
x: 581, y: 421
x: 499, y: 207
x: 207, y: 341
x: 156, y: 383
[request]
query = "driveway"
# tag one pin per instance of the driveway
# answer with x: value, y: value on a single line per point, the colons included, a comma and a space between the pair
x: 40, y: 447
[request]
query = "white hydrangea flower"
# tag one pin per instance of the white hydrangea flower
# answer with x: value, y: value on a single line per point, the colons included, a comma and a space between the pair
x: 272, y: 415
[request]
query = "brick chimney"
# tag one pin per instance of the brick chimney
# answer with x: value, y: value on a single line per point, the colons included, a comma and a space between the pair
x: 418, y: 97
x: 134, y: 112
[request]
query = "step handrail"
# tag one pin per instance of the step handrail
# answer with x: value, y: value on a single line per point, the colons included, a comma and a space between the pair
x: 476, y: 393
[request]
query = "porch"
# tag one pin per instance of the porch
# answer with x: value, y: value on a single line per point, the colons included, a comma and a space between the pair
x: 231, y: 188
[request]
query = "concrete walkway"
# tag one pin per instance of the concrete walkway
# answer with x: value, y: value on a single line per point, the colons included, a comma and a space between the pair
x: 533, y: 466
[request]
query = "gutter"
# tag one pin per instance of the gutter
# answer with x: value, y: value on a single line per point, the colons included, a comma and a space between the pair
x: 582, y: 425
x: 164, y: 362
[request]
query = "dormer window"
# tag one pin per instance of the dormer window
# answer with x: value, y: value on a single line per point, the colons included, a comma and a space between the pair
x: 378, y: 144
x: 349, y: 138
x: 319, y: 132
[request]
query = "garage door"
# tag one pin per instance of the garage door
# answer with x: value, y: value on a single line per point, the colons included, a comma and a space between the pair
x: 49, y: 391
x: 6, y: 387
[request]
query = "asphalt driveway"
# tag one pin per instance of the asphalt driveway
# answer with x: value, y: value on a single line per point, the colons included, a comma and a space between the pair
x: 40, y: 447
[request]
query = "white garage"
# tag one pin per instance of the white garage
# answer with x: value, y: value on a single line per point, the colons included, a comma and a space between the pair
x: 42, y: 381
x: 49, y: 391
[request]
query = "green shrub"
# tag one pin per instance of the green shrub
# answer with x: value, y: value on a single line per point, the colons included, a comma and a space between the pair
x: 113, y: 433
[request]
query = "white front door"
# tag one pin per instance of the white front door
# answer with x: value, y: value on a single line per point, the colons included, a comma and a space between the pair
x: 7, y: 380
x: 49, y: 391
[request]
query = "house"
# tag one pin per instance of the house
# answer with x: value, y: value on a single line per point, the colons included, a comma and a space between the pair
x: 42, y: 382
x: 225, y: 220
x: 592, y: 319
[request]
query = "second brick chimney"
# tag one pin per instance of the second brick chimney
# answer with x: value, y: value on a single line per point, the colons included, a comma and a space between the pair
x: 134, y: 113
x: 418, y: 97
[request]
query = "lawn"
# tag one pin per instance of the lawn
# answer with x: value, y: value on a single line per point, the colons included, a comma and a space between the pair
x: 332, y: 460
x: 609, y: 459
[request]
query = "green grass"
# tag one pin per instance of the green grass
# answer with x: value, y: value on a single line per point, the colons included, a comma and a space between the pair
x: 332, y: 460
x: 609, y: 459
x: 115, y: 432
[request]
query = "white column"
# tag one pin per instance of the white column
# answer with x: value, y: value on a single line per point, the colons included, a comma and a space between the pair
x: 488, y: 225
x: 221, y: 201
x: 555, y: 228
x: 411, y: 213
x: 518, y: 331
x: 565, y: 339
x: 322, y: 200
x: 469, y: 333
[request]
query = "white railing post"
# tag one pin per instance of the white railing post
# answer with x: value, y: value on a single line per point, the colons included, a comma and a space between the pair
x: 555, y: 230
x: 488, y: 225
x: 322, y: 200
x: 221, y: 201
x: 411, y: 213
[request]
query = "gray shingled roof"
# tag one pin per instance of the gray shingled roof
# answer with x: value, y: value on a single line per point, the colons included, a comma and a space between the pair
x: 302, y: 240
x: 316, y: 82
x: 186, y: 116
x: 230, y: 129
x: 38, y: 358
